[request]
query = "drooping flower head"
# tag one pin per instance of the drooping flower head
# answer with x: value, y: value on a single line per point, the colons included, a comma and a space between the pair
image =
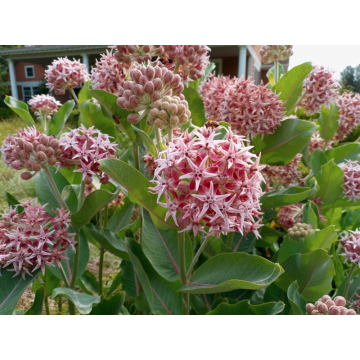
x: 29, y: 149
x: 249, y: 109
x: 44, y: 105
x: 327, y: 306
x: 350, y: 240
x: 142, y: 54
x: 349, y: 114
x: 320, y: 88
x: 289, y: 215
x: 84, y: 148
x: 32, y: 239
x: 207, y: 181
x: 271, y: 53
x: 351, y: 183
x: 64, y: 74
x: 147, y: 85
x: 108, y: 74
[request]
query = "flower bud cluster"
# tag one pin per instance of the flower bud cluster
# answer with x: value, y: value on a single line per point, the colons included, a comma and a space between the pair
x: 147, y: 85
x: 190, y: 60
x: 349, y: 114
x: 299, y: 232
x: 108, y: 74
x: 271, y: 53
x: 44, y: 106
x: 142, y: 54
x: 319, y: 88
x: 65, y: 74
x: 81, y: 148
x: 210, y: 182
x: 249, y: 109
x: 169, y: 112
x: 316, y: 142
x: 285, y: 174
x: 30, y: 150
x: 351, y: 185
x: 350, y: 242
x: 327, y: 306
x: 288, y: 214
x: 31, y: 239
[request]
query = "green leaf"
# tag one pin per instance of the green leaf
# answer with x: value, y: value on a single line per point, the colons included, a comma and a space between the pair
x: 328, y: 122
x: 270, y: 74
x: 137, y: 186
x: 116, y: 282
x: 58, y: 121
x: 147, y: 141
x: 291, y: 84
x: 313, y: 271
x: 133, y: 227
x: 196, y: 106
x: 344, y: 152
x: 339, y: 269
x: 108, y: 240
x: 318, y: 158
x: 286, y: 196
x: 113, y: 111
x: 330, y: 180
x: 289, y: 139
x: 11, y: 200
x: 297, y: 301
x: 309, y: 215
x: 245, y: 308
x: 121, y: 216
x: 231, y: 271
x: 50, y: 281
x: 163, y: 296
x: 90, y: 282
x: 66, y: 264
x: 11, y: 290
x: 37, y: 306
x: 93, y: 203
x: 340, y: 203
x: 268, y: 237
x: 91, y: 115
x: 83, y: 94
x: 46, y: 194
x: 20, y: 109
x: 129, y: 280
x: 161, y: 248
x: 209, y: 69
x: 109, y: 306
x: 83, y: 302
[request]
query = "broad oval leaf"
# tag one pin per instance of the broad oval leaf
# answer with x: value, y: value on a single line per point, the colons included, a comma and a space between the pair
x: 109, y: 306
x: 20, y: 109
x: 93, y: 203
x: 309, y: 215
x: 328, y: 122
x: 147, y: 141
x: 344, y: 152
x: 37, y: 306
x: 108, y: 240
x: 289, y: 139
x: 296, y: 300
x: 290, y: 86
x: 231, y: 271
x: 12, y: 201
x: 196, y: 106
x: 137, y: 186
x: 245, y: 308
x: 313, y: 271
x: 318, y: 159
x: 121, y: 216
x: 83, y: 302
x: 58, y: 121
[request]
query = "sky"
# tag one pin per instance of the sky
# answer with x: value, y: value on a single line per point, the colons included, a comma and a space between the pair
x: 336, y: 57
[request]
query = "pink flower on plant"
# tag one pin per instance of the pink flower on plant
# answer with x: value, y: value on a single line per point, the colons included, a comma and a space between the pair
x: 44, y: 106
x: 351, y: 183
x: 142, y: 54
x: 327, y: 306
x: 350, y: 241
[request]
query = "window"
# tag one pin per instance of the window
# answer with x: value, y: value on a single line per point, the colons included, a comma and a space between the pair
x: 218, y: 66
x: 29, y: 92
x: 29, y: 72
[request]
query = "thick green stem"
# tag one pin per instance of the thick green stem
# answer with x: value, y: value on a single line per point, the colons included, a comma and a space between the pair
x: 230, y: 239
x: 158, y: 138
x: 63, y: 274
x: 170, y: 134
x: 81, y: 195
x: 348, y: 282
x: 276, y: 71
x: 74, y: 96
x: 101, y: 267
x: 182, y: 265
x: 136, y: 156
x: 196, y: 257
x: 176, y: 68
x: 47, y: 307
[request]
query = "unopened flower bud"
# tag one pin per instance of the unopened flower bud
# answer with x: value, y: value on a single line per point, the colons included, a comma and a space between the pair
x: 164, y: 105
x: 168, y: 77
x: 52, y: 161
x: 158, y: 84
x: 17, y: 165
x: 41, y: 147
x: 50, y: 152
x: 329, y: 304
x: 143, y: 80
x: 40, y: 156
x: 340, y: 301
x: 134, y: 101
x: 325, y: 298
x: 24, y: 154
x: 133, y: 118
x: 309, y: 308
x: 44, y: 139
x: 351, y: 312
x: 36, y: 166
x: 183, y: 222
x: 159, y: 123
x: 88, y: 180
x: 149, y: 87
x: 155, y: 96
x: 323, y: 308
x: 28, y: 147
x: 154, y: 112
x: 174, y: 120
x: 54, y: 143
x: 26, y: 176
x: 334, y: 310
x: 163, y: 115
x: 150, y: 72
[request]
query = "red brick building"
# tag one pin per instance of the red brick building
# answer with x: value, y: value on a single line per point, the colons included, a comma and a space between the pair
x: 27, y: 64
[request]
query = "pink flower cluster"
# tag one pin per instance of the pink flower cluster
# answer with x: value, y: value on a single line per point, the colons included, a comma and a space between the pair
x: 210, y: 182
x: 271, y: 53
x: 327, y: 306
x: 108, y: 74
x: 148, y: 85
x: 289, y: 215
x: 319, y: 88
x: 32, y: 239
x: 351, y: 244
x: 142, y: 54
x: 316, y: 142
x: 30, y: 150
x: 65, y: 74
x: 249, y: 109
x: 44, y: 105
x: 349, y: 114
x: 351, y: 183
x: 80, y: 148
x: 286, y: 174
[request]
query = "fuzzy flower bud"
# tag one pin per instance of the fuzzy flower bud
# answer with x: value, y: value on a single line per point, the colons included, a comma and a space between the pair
x: 270, y: 53
x: 127, y: 54
x: 326, y: 306
x: 300, y: 231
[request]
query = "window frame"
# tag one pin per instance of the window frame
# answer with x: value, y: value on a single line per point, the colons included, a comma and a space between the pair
x: 33, y: 70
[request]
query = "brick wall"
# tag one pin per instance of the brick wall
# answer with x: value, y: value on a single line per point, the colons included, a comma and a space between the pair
x: 20, y: 71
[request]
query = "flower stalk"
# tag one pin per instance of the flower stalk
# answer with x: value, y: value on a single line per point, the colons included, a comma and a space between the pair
x: 183, y: 276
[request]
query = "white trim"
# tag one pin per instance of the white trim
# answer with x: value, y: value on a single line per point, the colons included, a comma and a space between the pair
x: 254, y: 56
x: 13, y: 83
x: 33, y: 69
x: 218, y: 61
x: 242, y: 61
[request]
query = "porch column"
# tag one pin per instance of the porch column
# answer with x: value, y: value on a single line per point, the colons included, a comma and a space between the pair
x: 14, y: 91
x: 86, y: 61
x: 242, y: 61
